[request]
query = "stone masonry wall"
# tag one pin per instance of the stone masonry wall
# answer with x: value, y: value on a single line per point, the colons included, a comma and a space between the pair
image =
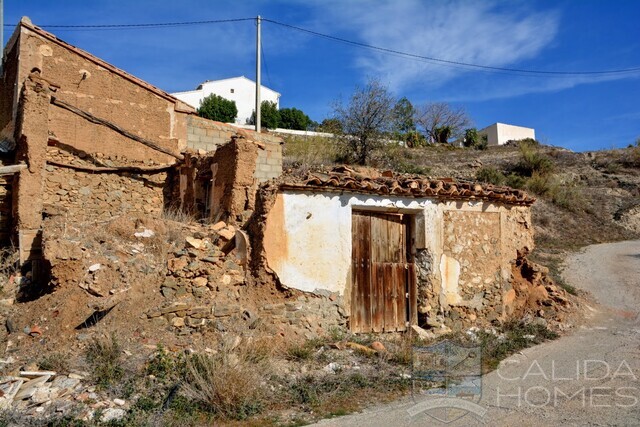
x: 100, y: 196
x: 473, y: 240
x: 208, y: 135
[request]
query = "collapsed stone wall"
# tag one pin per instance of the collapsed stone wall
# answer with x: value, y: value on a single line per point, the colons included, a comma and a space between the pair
x: 209, y: 135
x: 86, y: 196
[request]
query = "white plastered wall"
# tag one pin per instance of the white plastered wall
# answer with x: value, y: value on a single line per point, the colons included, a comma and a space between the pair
x: 308, y: 235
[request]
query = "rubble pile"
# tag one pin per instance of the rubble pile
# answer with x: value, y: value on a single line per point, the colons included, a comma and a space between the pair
x: 47, y: 392
x: 536, y: 296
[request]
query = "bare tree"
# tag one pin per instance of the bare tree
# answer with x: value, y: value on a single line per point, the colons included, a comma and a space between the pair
x: 366, y: 120
x: 440, y: 122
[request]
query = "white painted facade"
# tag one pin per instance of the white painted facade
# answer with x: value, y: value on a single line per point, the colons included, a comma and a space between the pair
x: 308, y: 239
x: 308, y: 242
x: 239, y: 89
x: 500, y: 133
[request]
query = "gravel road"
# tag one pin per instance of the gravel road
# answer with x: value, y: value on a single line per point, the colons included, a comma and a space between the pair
x: 588, y: 378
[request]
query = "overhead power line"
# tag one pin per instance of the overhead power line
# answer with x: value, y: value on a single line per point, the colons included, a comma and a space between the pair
x: 450, y: 62
x: 148, y: 25
x: 394, y: 52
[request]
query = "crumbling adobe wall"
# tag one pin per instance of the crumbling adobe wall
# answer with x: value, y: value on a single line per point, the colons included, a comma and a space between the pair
x: 76, y: 126
x: 9, y: 93
x: 234, y: 184
x: 208, y: 135
x: 86, y: 196
x: 93, y: 85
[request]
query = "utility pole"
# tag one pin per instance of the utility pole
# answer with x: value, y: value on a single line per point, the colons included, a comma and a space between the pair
x: 258, y: 84
x: 1, y: 34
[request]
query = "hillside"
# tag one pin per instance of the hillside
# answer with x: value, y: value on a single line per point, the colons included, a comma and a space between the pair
x: 583, y: 198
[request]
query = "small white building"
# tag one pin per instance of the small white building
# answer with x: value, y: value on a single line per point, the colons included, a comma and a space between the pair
x: 239, y: 89
x: 500, y: 133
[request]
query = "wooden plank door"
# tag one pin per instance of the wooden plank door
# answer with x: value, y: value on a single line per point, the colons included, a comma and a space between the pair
x: 382, y: 290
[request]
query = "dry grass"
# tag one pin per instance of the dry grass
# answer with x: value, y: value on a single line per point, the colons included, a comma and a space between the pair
x: 104, y: 356
x: 9, y: 260
x: 309, y: 151
x: 229, y: 383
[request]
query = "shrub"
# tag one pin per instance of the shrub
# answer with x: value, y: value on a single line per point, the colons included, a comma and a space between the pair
x: 516, y: 181
x: 491, y: 175
x: 57, y: 362
x: 104, y: 356
x: 228, y: 383
x: 532, y: 161
x: 567, y: 196
x: 215, y: 107
x: 414, y: 139
x: 538, y: 184
x: 161, y: 365
x: 299, y: 352
x: 564, y: 195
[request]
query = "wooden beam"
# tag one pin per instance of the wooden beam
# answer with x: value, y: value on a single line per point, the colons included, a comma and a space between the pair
x: 11, y: 169
x: 135, y: 169
x: 93, y: 119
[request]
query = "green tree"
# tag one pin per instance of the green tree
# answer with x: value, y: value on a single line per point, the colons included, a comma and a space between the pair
x: 403, y: 113
x: 215, y: 107
x: 471, y: 137
x: 330, y: 125
x: 366, y: 120
x: 292, y: 118
x: 442, y: 134
x: 269, y: 115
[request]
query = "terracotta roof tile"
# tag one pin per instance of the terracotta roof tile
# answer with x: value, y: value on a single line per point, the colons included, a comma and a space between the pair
x: 346, y: 179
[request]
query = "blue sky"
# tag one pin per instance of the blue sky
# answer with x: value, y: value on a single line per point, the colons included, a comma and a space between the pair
x: 580, y: 112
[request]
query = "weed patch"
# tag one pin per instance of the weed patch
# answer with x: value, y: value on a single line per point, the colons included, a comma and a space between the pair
x: 514, y: 337
x: 229, y: 383
x: 104, y: 356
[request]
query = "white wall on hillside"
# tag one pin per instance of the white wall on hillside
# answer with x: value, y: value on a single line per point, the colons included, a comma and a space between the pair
x: 500, y: 133
x: 239, y: 89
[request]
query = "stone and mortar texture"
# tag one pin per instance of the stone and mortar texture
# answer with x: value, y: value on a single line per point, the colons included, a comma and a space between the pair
x: 464, y: 250
x: 208, y: 135
x: 61, y: 147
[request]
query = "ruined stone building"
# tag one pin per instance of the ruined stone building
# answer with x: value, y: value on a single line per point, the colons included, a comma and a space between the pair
x: 88, y: 141
x: 399, y: 250
x: 96, y: 142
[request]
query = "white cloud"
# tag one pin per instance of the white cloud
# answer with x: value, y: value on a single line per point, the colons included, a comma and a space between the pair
x: 479, y: 90
x: 474, y: 32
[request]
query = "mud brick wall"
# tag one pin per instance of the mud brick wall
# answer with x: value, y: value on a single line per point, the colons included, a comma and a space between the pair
x: 101, y: 196
x: 208, y: 135
x: 90, y: 84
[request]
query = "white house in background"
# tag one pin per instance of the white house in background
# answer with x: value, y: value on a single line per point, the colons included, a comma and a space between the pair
x: 239, y: 89
x: 500, y: 133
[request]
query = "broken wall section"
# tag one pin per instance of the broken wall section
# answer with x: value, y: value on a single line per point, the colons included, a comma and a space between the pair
x: 90, y: 84
x: 209, y: 135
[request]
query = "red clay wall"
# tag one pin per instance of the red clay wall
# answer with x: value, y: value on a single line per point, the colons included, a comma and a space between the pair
x: 94, y: 86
